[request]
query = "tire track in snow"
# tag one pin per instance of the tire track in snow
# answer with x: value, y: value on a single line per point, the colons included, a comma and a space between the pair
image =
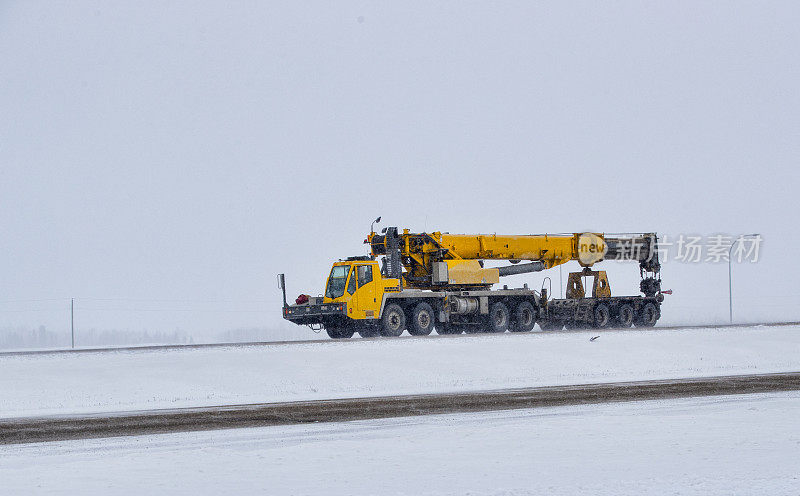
x: 55, y: 428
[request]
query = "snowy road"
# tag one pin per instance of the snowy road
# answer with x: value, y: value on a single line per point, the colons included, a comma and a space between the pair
x: 714, y: 445
x: 323, y: 338
x: 143, y: 380
x: 64, y: 427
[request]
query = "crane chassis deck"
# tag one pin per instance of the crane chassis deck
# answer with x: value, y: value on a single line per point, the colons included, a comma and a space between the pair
x: 491, y: 311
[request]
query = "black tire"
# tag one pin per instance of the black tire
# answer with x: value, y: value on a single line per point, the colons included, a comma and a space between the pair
x: 498, y: 319
x: 393, y: 321
x: 369, y: 332
x: 524, y: 317
x: 602, y: 316
x: 625, y: 315
x: 647, y: 316
x: 339, y: 332
x: 422, y: 320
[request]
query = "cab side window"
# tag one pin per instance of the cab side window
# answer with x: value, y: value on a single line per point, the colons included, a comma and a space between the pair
x: 364, y: 274
x: 351, y: 286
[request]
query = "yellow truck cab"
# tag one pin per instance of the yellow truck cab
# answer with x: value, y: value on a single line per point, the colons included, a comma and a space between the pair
x: 354, y: 292
x: 358, y: 284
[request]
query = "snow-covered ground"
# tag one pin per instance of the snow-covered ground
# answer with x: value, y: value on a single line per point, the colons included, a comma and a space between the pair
x: 135, y: 380
x: 696, y: 446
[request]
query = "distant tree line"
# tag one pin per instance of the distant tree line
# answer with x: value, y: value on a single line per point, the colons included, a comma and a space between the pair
x: 28, y: 338
x: 41, y: 337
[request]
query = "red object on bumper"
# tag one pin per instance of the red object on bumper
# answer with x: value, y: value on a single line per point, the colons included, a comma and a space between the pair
x: 303, y: 298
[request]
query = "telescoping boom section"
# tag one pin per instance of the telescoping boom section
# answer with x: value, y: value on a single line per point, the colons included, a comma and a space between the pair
x: 429, y: 259
x: 418, y: 282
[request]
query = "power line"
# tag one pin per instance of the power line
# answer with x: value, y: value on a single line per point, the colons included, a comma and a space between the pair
x: 168, y: 310
x: 150, y: 300
x: 32, y: 300
x: 155, y: 300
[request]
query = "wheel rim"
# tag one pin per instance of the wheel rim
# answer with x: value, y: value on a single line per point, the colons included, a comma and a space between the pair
x: 527, y: 317
x: 394, y: 321
x: 424, y: 320
x: 601, y: 317
x: 626, y: 315
x: 499, y: 319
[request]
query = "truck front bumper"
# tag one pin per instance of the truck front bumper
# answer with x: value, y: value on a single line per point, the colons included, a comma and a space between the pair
x: 310, y: 314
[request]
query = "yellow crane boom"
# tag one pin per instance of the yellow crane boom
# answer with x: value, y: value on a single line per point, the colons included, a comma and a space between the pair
x: 440, y: 259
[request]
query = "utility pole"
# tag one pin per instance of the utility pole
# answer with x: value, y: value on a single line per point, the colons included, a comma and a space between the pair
x: 72, y: 319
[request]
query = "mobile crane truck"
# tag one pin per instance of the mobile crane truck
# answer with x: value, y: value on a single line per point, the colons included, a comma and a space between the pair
x: 428, y: 281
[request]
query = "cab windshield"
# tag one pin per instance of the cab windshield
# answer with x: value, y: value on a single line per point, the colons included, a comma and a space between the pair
x: 337, y: 281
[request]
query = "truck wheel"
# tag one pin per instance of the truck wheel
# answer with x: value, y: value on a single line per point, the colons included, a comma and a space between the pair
x: 369, y: 332
x: 648, y: 316
x: 497, y: 320
x: 339, y: 332
x: 393, y: 322
x: 524, y: 317
x: 602, y: 316
x: 422, y: 320
x: 625, y: 315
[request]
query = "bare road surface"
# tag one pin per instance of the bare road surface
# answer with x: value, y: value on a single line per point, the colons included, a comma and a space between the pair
x: 27, y: 430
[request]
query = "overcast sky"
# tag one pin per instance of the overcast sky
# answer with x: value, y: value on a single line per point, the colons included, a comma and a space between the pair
x: 191, y: 151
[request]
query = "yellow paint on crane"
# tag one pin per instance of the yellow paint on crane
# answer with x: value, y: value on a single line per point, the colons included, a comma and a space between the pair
x: 466, y: 272
x: 551, y: 249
